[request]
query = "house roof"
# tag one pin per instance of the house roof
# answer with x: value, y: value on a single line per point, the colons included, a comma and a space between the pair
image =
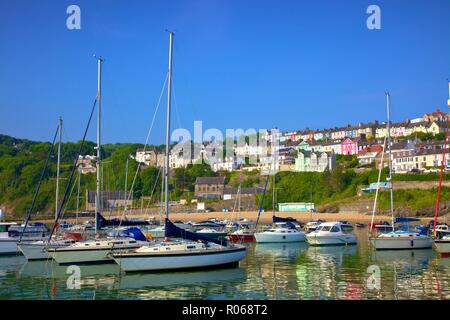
x: 404, y: 144
x: 210, y: 180
x: 290, y: 143
x: 425, y: 152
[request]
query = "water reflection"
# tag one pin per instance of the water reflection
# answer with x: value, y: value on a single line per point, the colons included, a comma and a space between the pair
x: 194, y: 284
x: 270, y: 271
x: 321, y: 272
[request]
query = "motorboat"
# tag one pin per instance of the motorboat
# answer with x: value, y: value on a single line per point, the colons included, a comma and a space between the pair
x: 207, y: 224
x: 313, y: 225
x: 281, y: 232
x: 380, y: 226
x: 442, y: 230
x: 242, y: 235
x: 11, y: 233
x: 212, y: 233
x: 443, y: 246
x: 158, y: 232
x: 331, y: 233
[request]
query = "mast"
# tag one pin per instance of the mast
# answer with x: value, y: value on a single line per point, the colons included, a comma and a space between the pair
x: 388, y: 105
x: 378, y: 185
x: 58, y: 166
x: 273, y: 189
x: 161, y: 197
x: 78, y: 196
x: 169, y: 90
x: 98, y: 163
x: 126, y: 185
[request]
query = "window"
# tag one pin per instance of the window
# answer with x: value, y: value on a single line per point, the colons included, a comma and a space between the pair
x: 334, y: 229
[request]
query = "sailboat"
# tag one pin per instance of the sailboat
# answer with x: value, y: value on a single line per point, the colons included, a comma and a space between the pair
x: 12, y: 234
x: 403, y: 238
x: 97, y: 250
x: 284, y: 229
x: 37, y: 250
x: 193, y: 250
x: 243, y: 233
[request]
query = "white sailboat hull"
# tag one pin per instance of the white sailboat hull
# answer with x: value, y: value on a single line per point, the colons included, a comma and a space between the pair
x: 272, y: 237
x: 38, y: 251
x: 81, y: 256
x: 401, y: 243
x: 34, y: 252
x: 158, y: 262
x: 9, y: 245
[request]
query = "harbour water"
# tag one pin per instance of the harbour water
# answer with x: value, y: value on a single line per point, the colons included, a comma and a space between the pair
x: 270, y: 271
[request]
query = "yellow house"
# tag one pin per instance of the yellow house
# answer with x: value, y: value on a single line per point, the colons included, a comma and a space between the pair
x: 433, y: 128
x: 381, y: 132
x: 430, y: 158
x: 416, y: 127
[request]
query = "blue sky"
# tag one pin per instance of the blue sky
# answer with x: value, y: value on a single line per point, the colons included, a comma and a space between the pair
x: 237, y: 64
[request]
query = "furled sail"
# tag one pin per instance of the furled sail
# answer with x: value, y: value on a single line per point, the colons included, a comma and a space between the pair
x: 280, y: 219
x: 103, y: 222
x: 171, y: 230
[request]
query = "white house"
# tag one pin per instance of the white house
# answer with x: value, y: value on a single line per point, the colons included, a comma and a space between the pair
x: 227, y: 164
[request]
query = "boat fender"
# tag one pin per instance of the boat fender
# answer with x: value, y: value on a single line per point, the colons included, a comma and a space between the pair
x: 412, y: 243
x: 149, y: 236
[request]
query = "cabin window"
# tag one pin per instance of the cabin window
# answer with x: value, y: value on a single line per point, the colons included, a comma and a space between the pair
x: 167, y: 248
x: 325, y: 228
x: 4, y: 228
x: 190, y: 247
x: 334, y: 229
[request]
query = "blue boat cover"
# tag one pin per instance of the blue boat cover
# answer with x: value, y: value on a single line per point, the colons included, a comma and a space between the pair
x: 279, y: 219
x: 416, y: 229
x: 134, y: 233
x: 403, y: 220
x: 171, y: 230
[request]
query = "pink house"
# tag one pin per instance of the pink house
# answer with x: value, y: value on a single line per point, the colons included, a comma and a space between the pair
x: 348, y: 146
